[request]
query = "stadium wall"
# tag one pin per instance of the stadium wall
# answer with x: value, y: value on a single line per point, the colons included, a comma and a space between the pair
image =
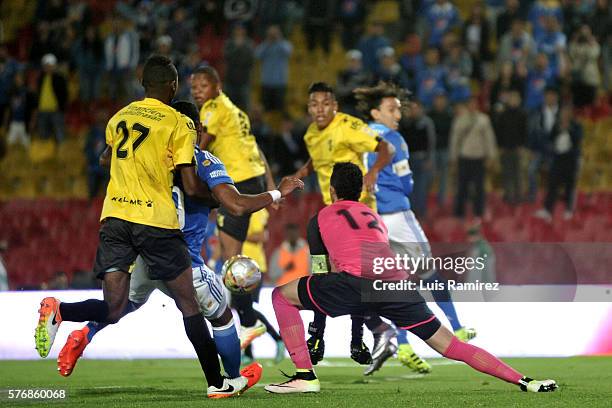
x: 509, y: 329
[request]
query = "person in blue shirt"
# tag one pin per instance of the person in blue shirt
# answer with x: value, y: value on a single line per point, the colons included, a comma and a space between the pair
x: 441, y: 17
x: 539, y: 78
x: 431, y: 79
x: 193, y: 219
x: 382, y: 105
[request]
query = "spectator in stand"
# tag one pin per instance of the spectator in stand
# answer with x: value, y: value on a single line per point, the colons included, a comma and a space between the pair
x: 290, y: 150
x: 475, y: 37
x: 276, y: 12
x: 97, y: 175
x: 42, y: 44
x: 564, y: 148
x: 458, y: 67
x: 89, y: 59
x: 352, y: 77
x: 291, y: 260
x: 8, y: 69
x: 52, y: 100
x: 4, y: 284
x: 210, y: 14
x: 540, y: 77
x: 507, y: 17
x: 432, y: 79
x: 511, y: 130
x: 442, y: 117
x: 318, y: 24
x: 411, y: 59
x: 575, y: 14
x: 164, y: 47
x: 190, y: 63
x: 351, y: 14
x: 370, y: 44
x: 274, y: 54
x: 122, y: 52
x: 538, y: 13
x: 82, y: 280
x: 390, y: 70
x: 601, y: 23
x: 180, y: 31
x: 507, y: 81
x: 58, y: 282
x: 473, y: 149
x: 552, y: 42
x: 541, y: 125
x: 239, y: 56
x: 22, y: 104
x: 584, y: 54
x: 418, y: 130
x: 441, y: 18
x: 517, y: 45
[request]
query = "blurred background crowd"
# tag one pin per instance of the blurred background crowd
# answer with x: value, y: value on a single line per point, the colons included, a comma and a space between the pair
x: 510, y: 109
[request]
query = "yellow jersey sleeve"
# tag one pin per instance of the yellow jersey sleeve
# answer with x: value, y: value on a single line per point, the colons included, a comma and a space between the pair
x: 358, y: 137
x: 212, y: 118
x: 109, y: 134
x: 256, y: 251
x: 183, y: 141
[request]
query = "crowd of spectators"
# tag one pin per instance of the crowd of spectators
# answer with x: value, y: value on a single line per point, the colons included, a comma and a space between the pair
x: 505, y: 62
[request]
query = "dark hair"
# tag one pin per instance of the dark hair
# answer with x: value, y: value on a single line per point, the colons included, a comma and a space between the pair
x: 371, y: 97
x: 347, y: 180
x: 208, y: 71
x: 158, y: 70
x: 321, y: 87
x: 188, y: 109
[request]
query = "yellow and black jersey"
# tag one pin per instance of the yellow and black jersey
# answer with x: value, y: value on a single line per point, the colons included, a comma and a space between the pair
x: 148, y: 140
x: 233, y: 142
x: 345, y: 139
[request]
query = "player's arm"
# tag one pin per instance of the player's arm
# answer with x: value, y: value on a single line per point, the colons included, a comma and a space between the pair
x: 241, y: 204
x: 258, y: 237
x: 384, y: 155
x: 205, y: 138
x: 269, y: 178
x: 194, y: 187
x: 305, y: 170
x: 401, y: 166
x: 105, y: 157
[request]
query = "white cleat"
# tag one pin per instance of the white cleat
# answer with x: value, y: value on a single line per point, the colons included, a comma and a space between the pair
x: 295, y: 385
x: 248, y: 334
x: 529, y: 385
x: 232, y: 387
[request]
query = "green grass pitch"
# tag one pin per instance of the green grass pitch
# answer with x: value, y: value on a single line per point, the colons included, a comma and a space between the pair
x: 583, y: 381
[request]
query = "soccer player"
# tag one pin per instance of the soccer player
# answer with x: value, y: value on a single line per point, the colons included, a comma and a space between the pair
x: 193, y: 219
x: 339, y: 236
x: 331, y: 138
x: 382, y: 105
x: 228, y: 136
x: 147, y: 140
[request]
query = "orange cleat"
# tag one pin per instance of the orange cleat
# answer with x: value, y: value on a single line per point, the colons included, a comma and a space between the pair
x: 252, y: 373
x: 72, y: 351
x: 49, y: 320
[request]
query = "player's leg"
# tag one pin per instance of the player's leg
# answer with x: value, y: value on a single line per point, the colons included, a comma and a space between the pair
x: 359, y: 351
x: 141, y: 288
x: 114, y: 256
x: 383, y: 348
x: 316, y: 343
x: 445, y: 343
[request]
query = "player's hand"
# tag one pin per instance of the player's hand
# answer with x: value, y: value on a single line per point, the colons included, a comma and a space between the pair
x: 369, y: 180
x: 361, y: 353
x: 288, y: 184
x: 316, y: 349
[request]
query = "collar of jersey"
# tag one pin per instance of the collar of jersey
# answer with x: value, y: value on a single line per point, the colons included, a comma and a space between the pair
x: 153, y: 101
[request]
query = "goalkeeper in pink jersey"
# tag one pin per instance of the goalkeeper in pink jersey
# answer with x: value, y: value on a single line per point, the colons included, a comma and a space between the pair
x: 348, y: 235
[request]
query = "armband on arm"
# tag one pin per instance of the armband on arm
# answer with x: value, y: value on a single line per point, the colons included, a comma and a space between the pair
x: 320, y: 264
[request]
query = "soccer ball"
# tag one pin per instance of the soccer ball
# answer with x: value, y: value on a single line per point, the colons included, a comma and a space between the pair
x: 241, y: 274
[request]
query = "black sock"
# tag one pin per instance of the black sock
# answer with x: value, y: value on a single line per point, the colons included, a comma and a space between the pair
x: 248, y: 351
x: 356, y: 329
x: 244, y: 307
x: 205, y: 348
x: 307, y: 375
x: 270, y: 329
x: 89, y: 310
x: 375, y: 324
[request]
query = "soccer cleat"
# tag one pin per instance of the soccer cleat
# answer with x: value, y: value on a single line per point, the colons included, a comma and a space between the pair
x: 301, y: 382
x: 361, y: 353
x: 383, y: 349
x: 316, y: 349
x: 410, y: 359
x: 49, y: 320
x: 252, y: 373
x: 280, y: 352
x: 232, y: 387
x: 529, y: 385
x: 465, y: 334
x: 248, y: 334
x: 72, y: 351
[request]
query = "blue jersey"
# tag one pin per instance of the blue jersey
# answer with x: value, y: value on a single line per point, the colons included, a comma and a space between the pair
x: 395, y: 180
x: 193, y: 215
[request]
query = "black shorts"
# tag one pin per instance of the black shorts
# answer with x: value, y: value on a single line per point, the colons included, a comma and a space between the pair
x: 163, y: 250
x: 235, y: 226
x: 338, y: 294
